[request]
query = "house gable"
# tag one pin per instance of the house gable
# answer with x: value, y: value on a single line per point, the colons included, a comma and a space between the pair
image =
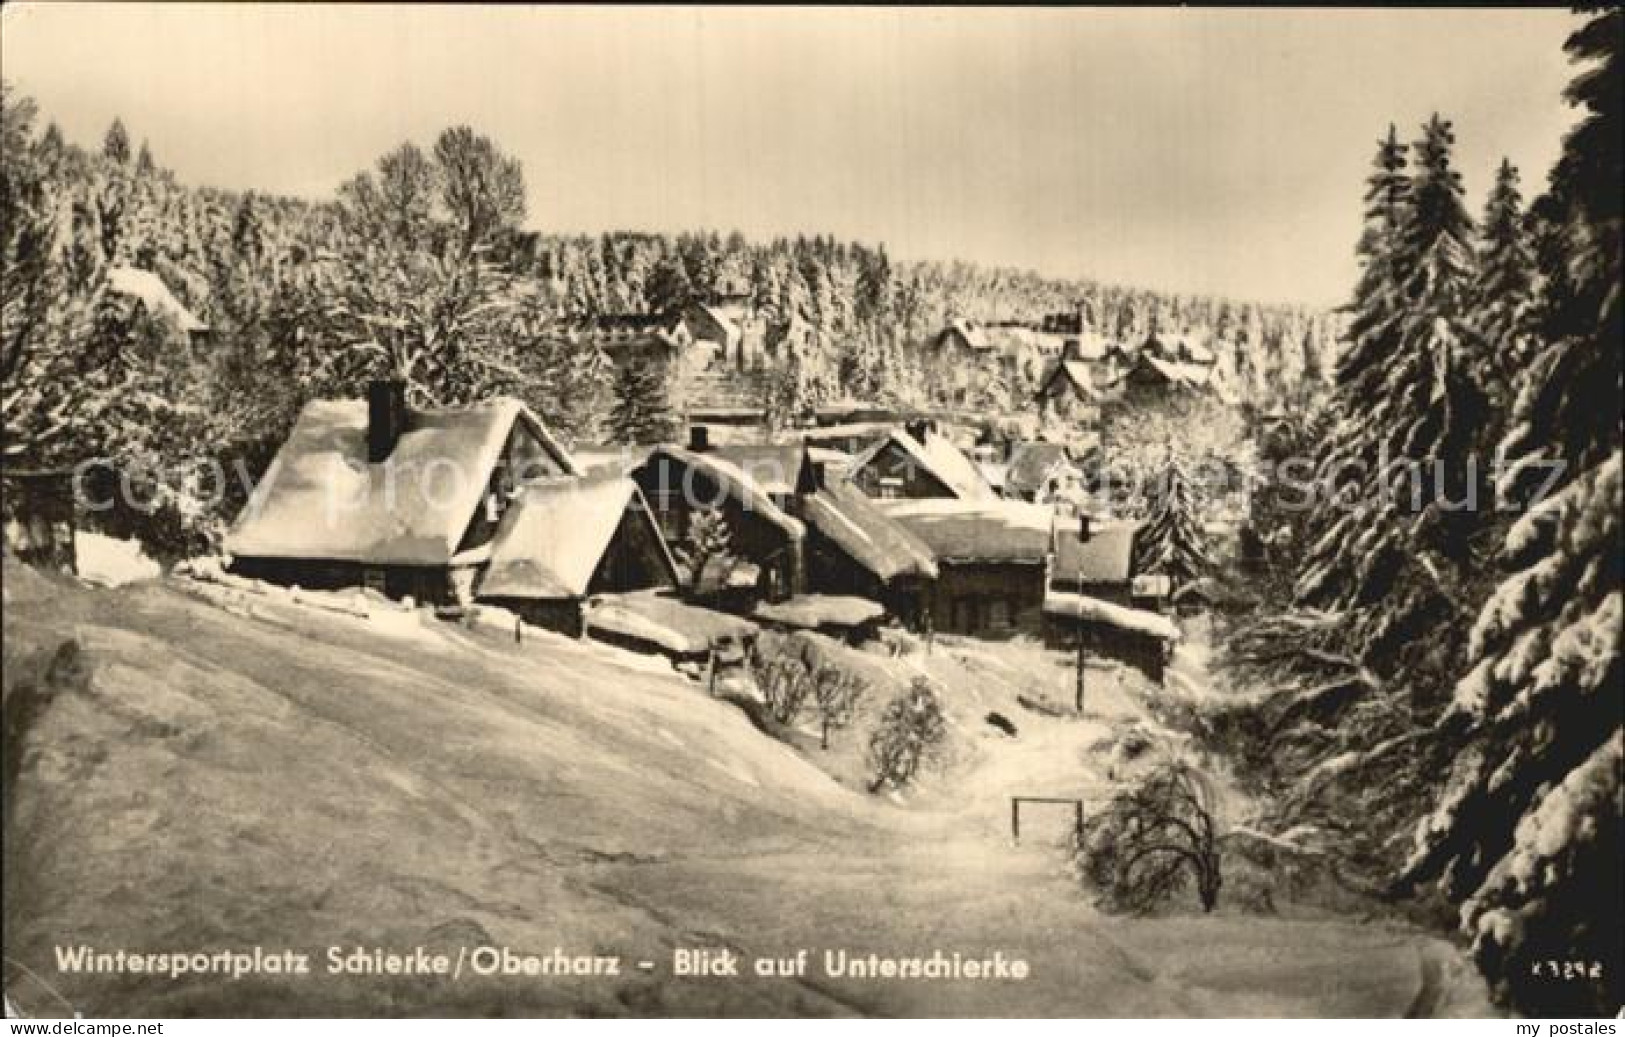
x: 323, y: 500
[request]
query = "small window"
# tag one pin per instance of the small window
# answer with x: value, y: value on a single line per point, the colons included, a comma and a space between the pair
x: 998, y: 614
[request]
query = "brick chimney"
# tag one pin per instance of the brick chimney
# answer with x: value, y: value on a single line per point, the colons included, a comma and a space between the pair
x: 810, y: 479
x: 386, y: 417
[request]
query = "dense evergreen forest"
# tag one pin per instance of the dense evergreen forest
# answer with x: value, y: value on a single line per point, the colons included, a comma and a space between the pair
x: 1446, y: 713
x: 420, y: 267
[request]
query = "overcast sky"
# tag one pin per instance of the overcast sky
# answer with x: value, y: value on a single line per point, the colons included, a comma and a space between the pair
x: 1214, y: 151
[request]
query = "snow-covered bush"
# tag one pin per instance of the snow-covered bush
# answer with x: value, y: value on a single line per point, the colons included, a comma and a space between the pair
x: 836, y: 693
x: 785, y: 684
x: 909, y: 734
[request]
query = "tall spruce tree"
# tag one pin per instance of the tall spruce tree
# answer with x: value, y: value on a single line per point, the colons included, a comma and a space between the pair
x: 1407, y: 408
x: 1172, y: 542
x: 1527, y: 833
x: 1505, y: 264
x: 640, y: 411
x: 116, y: 144
x: 1503, y: 293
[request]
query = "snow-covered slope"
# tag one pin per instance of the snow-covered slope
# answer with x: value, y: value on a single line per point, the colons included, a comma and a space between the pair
x: 239, y: 772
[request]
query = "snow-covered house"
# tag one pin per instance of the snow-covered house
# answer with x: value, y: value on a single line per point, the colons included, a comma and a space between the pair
x: 1069, y: 392
x: 148, y: 291
x: 919, y: 462
x: 993, y: 561
x: 853, y: 548
x: 728, y: 323
x: 1134, y: 637
x: 1073, y: 386
x: 378, y: 494
x: 1041, y: 472
x: 1101, y: 567
x: 768, y: 541
x: 567, y: 540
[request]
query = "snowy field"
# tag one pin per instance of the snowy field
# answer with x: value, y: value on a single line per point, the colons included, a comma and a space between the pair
x: 233, y: 770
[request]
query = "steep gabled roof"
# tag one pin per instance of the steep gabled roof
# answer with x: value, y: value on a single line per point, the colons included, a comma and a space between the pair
x: 976, y: 531
x: 321, y: 499
x: 731, y: 331
x: 735, y: 483
x: 1074, y: 371
x: 150, y: 289
x: 850, y: 520
x: 1031, y: 464
x: 968, y: 331
x: 938, y: 457
x: 555, y: 534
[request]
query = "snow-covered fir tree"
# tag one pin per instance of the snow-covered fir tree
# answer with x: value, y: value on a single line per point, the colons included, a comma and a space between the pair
x: 1504, y: 289
x: 1446, y: 696
x: 640, y: 409
x: 1172, y: 542
x: 1527, y: 834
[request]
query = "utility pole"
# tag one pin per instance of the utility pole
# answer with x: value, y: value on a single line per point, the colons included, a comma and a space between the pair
x: 1077, y: 630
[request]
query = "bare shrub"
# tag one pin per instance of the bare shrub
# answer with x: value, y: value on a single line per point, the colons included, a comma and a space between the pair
x: 1152, y: 840
x: 836, y: 693
x: 910, y: 732
x: 785, y: 682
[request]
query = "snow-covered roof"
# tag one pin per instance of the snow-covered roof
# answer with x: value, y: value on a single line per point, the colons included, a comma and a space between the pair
x: 1175, y: 373
x: 150, y: 289
x: 664, y: 622
x: 322, y: 499
x: 995, y: 472
x: 1074, y: 371
x: 731, y: 330
x: 1106, y: 557
x: 1093, y: 610
x: 736, y: 483
x: 969, y: 331
x: 829, y: 456
x: 938, y: 457
x: 775, y: 467
x: 849, y: 519
x: 1031, y: 464
x: 1088, y: 344
x: 977, y: 531
x: 1181, y: 373
x: 554, y: 535
x: 811, y: 611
